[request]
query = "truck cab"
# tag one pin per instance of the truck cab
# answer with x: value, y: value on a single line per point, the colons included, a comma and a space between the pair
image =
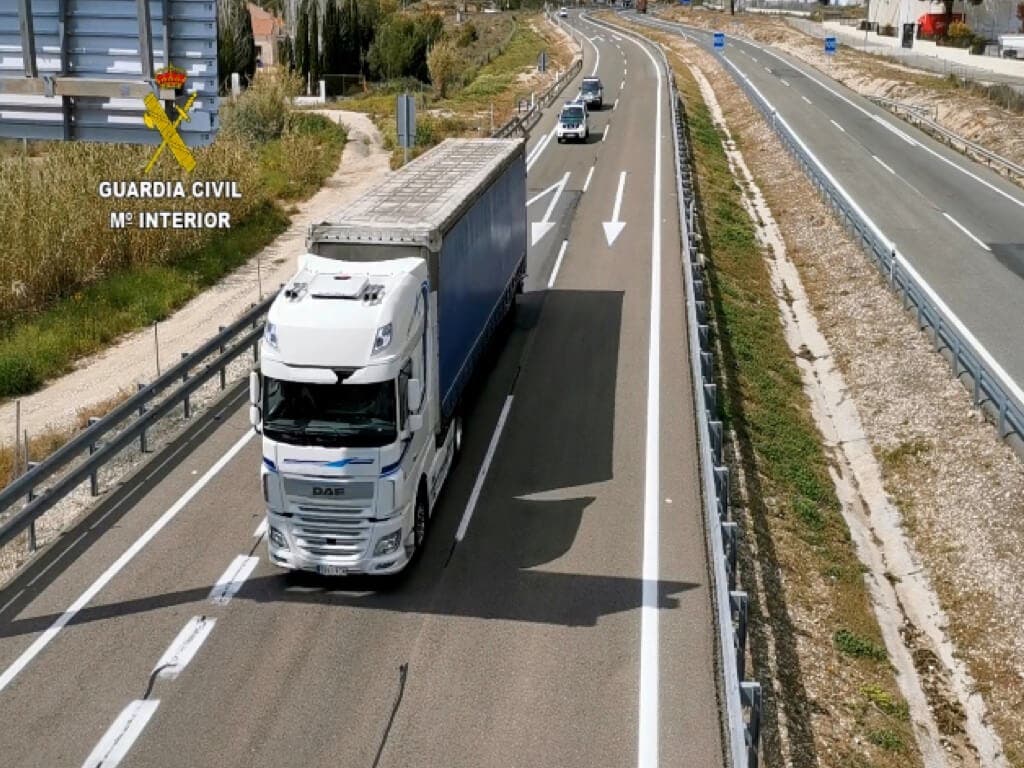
x: 341, y: 414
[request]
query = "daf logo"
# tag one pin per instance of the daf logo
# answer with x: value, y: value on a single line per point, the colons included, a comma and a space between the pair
x: 322, y: 491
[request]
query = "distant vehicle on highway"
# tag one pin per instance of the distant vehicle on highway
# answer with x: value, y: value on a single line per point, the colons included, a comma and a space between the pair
x: 563, y: 12
x: 592, y: 92
x: 368, y: 350
x: 572, y: 122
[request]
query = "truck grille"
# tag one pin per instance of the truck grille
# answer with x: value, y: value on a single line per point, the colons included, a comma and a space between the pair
x: 336, y: 526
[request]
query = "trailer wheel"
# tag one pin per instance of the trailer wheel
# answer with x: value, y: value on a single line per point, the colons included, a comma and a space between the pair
x: 457, y: 437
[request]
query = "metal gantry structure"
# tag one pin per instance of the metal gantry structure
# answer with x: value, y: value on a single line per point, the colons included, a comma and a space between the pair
x: 79, y: 69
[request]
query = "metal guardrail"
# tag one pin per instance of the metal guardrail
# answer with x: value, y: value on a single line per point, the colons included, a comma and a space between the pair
x: 991, y: 387
x: 62, y: 472
x: 927, y: 120
x: 742, y: 698
x: 522, y: 124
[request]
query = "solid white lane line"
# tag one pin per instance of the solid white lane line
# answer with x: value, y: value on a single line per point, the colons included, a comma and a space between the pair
x: 606, y: 129
x: 181, y: 650
x: 896, y: 131
x: 967, y: 232
x: 232, y: 579
x: 783, y: 81
x: 121, y: 735
x: 558, y: 264
x: 882, y: 163
x: 590, y: 175
x: 261, y: 529
x: 837, y: 125
x: 649, y: 717
x: 44, y: 639
x: 541, y: 146
x: 597, y: 57
x: 482, y: 474
x: 805, y: 99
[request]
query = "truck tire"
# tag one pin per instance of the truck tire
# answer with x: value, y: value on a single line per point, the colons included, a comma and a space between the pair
x: 420, y: 521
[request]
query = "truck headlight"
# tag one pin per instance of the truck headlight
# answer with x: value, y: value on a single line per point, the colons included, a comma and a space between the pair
x: 388, y: 544
x: 277, y: 538
x: 382, y: 339
x: 270, y: 334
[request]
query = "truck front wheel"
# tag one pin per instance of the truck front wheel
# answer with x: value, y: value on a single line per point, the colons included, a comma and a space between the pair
x: 421, y: 518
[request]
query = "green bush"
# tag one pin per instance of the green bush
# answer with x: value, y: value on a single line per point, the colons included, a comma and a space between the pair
x: 260, y: 113
x: 854, y: 645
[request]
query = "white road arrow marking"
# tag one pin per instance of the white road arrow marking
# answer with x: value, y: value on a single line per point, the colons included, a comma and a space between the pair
x: 613, y: 228
x: 540, y: 228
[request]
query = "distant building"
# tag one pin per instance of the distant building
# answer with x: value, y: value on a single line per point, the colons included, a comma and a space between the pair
x: 990, y: 19
x: 268, y: 31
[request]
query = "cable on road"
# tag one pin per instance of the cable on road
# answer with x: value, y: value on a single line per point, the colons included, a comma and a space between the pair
x: 403, y: 671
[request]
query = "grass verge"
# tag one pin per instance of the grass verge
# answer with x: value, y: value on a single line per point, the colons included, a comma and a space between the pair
x: 505, y: 78
x: 93, y: 284
x: 831, y: 683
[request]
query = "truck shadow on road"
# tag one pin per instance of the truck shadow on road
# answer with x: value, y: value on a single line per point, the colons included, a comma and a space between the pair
x: 527, y: 556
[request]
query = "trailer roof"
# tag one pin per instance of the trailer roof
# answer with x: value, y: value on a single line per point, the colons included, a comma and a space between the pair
x: 422, y: 199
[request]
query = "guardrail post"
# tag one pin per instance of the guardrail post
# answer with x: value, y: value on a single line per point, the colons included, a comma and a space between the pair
x: 139, y: 386
x: 184, y: 378
x: 750, y: 695
x: 31, y: 497
x: 94, y: 479
x: 730, y: 536
x: 256, y: 342
x: 223, y: 370
x: 740, y: 604
x: 1002, y: 418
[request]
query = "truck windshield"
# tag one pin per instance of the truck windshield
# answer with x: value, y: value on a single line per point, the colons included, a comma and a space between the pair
x: 330, y: 415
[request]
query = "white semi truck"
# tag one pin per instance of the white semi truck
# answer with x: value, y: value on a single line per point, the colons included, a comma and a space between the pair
x: 368, y: 349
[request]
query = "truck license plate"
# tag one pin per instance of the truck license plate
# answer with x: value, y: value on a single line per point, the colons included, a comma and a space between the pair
x: 331, y: 570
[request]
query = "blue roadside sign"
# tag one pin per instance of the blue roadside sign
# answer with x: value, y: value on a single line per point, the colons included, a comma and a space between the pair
x: 830, y: 46
x: 719, y: 40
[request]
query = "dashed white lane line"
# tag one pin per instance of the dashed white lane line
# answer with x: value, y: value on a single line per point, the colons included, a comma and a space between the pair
x: 590, y: 175
x: 184, y: 647
x: 881, y: 162
x: 121, y: 735
x: 232, y: 579
x: 753, y: 57
x: 768, y: 70
x: 805, y: 99
x: 118, y: 565
x: 606, y: 129
x: 482, y: 474
x: 837, y: 125
x: 615, y: 105
x: 558, y: 264
x: 784, y: 82
x: 622, y: 84
x: 967, y: 232
x: 261, y: 529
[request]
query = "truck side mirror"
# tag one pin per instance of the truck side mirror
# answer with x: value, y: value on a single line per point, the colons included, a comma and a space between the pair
x: 254, y: 388
x: 255, y: 417
x: 415, y: 422
x: 415, y: 394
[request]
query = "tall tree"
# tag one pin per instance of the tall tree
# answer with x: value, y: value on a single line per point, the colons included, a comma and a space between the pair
x: 301, y: 45
x: 333, y: 53
x: 236, y: 49
x: 315, y: 62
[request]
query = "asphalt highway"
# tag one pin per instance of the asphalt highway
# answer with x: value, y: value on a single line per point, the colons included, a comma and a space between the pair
x: 958, y: 223
x: 570, y: 627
